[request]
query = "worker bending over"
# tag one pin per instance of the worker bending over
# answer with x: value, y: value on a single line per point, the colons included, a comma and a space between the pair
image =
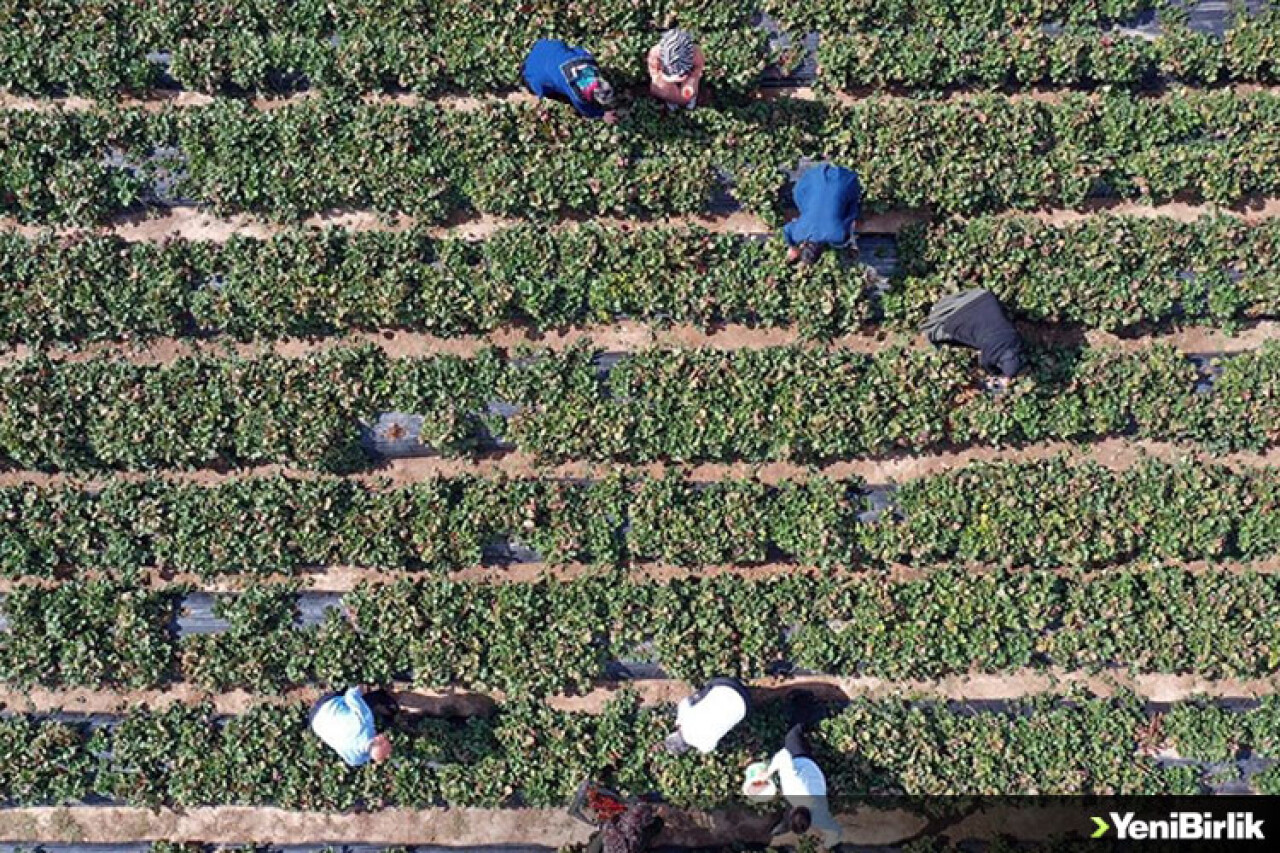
x: 556, y: 70
x: 676, y: 64
x: 800, y: 780
x: 829, y: 199
x: 708, y: 715
x: 346, y: 723
x: 974, y: 319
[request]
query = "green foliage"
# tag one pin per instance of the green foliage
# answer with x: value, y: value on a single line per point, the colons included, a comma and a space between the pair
x: 780, y: 403
x: 1047, y: 513
x: 426, y: 46
x: 841, y: 15
x: 1109, y: 272
x: 89, y: 633
x: 964, y: 156
x: 529, y: 755
x: 551, y: 636
x: 968, y: 53
x: 1052, y: 513
x: 82, y: 288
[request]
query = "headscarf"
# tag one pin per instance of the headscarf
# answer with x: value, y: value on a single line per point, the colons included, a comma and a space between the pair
x: 676, y: 53
x: 600, y: 91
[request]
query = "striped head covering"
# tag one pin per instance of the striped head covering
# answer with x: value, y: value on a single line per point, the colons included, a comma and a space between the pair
x: 675, y: 53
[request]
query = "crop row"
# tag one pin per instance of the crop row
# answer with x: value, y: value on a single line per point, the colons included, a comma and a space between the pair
x: 837, y: 16
x: 958, y: 156
x: 969, y: 54
x: 1106, y: 272
x: 561, y: 635
x: 434, y: 46
x: 301, y: 283
x: 531, y: 755
x: 1043, y: 513
x: 780, y: 403
x: 1103, y: 271
x: 427, y: 46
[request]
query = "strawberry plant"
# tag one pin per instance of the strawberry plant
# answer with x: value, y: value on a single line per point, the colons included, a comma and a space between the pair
x: 426, y: 46
x: 556, y: 636
x: 788, y: 402
x: 953, y: 156
x: 1109, y: 272
x: 529, y: 755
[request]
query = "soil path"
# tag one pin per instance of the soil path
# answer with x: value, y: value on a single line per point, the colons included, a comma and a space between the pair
x: 973, y: 687
x: 1118, y: 454
x: 158, y: 99
x: 194, y: 223
x: 551, y: 828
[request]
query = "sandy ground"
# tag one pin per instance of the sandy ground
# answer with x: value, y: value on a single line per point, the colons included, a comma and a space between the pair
x: 194, y: 223
x: 970, y: 687
x: 451, y: 827
x: 1115, y: 453
x: 625, y: 337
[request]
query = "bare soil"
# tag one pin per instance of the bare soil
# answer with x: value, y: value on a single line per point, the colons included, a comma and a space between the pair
x: 197, y: 224
x: 971, y: 687
x: 627, y: 336
x: 447, y: 827
x: 1115, y: 453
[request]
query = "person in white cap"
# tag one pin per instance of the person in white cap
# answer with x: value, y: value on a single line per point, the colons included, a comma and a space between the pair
x: 676, y: 64
x: 346, y: 723
x: 704, y: 718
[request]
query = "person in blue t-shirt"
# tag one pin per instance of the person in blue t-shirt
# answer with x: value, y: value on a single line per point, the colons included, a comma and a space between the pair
x: 554, y: 69
x: 830, y: 200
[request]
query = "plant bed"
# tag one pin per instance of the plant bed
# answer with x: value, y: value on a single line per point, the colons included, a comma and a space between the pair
x: 532, y: 756
x: 552, y: 636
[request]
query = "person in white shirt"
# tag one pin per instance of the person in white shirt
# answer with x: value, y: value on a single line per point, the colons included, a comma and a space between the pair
x: 345, y: 722
x: 800, y: 780
x: 708, y: 715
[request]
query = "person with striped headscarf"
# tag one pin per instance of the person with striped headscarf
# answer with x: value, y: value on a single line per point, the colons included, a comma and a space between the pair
x: 675, y: 70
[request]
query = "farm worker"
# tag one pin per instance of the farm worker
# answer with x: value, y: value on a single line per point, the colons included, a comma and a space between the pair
x: 345, y: 722
x: 556, y: 70
x: 800, y: 780
x: 829, y: 199
x: 675, y: 70
x: 708, y: 715
x: 974, y: 319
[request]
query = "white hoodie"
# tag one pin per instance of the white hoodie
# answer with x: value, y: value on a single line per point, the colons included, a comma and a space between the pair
x: 702, y: 725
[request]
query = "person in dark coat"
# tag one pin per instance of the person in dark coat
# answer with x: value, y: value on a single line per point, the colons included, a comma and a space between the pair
x: 829, y: 199
x: 975, y: 319
x: 557, y: 70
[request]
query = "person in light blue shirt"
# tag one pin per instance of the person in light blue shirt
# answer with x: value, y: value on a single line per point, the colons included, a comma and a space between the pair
x: 557, y: 70
x: 345, y: 723
x: 829, y: 199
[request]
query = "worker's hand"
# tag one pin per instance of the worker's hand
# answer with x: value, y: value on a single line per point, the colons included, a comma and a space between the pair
x: 611, y: 117
x: 688, y: 92
x: 793, y: 254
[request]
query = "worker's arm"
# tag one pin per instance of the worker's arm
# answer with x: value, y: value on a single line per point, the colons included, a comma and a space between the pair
x: 786, y: 233
x: 355, y: 701
x: 655, y: 66
x: 781, y: 761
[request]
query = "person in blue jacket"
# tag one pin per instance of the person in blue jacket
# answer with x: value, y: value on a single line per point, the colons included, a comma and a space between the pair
x: 554, y: 69
x: 830, y: 200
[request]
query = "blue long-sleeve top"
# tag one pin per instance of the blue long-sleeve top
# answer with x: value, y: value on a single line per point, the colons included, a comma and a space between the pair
x: 830, y: 200
x: 554, y: 67
x: 346, y: 724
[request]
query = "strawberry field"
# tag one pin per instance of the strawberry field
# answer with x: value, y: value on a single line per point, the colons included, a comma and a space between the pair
x: 329, y: 356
